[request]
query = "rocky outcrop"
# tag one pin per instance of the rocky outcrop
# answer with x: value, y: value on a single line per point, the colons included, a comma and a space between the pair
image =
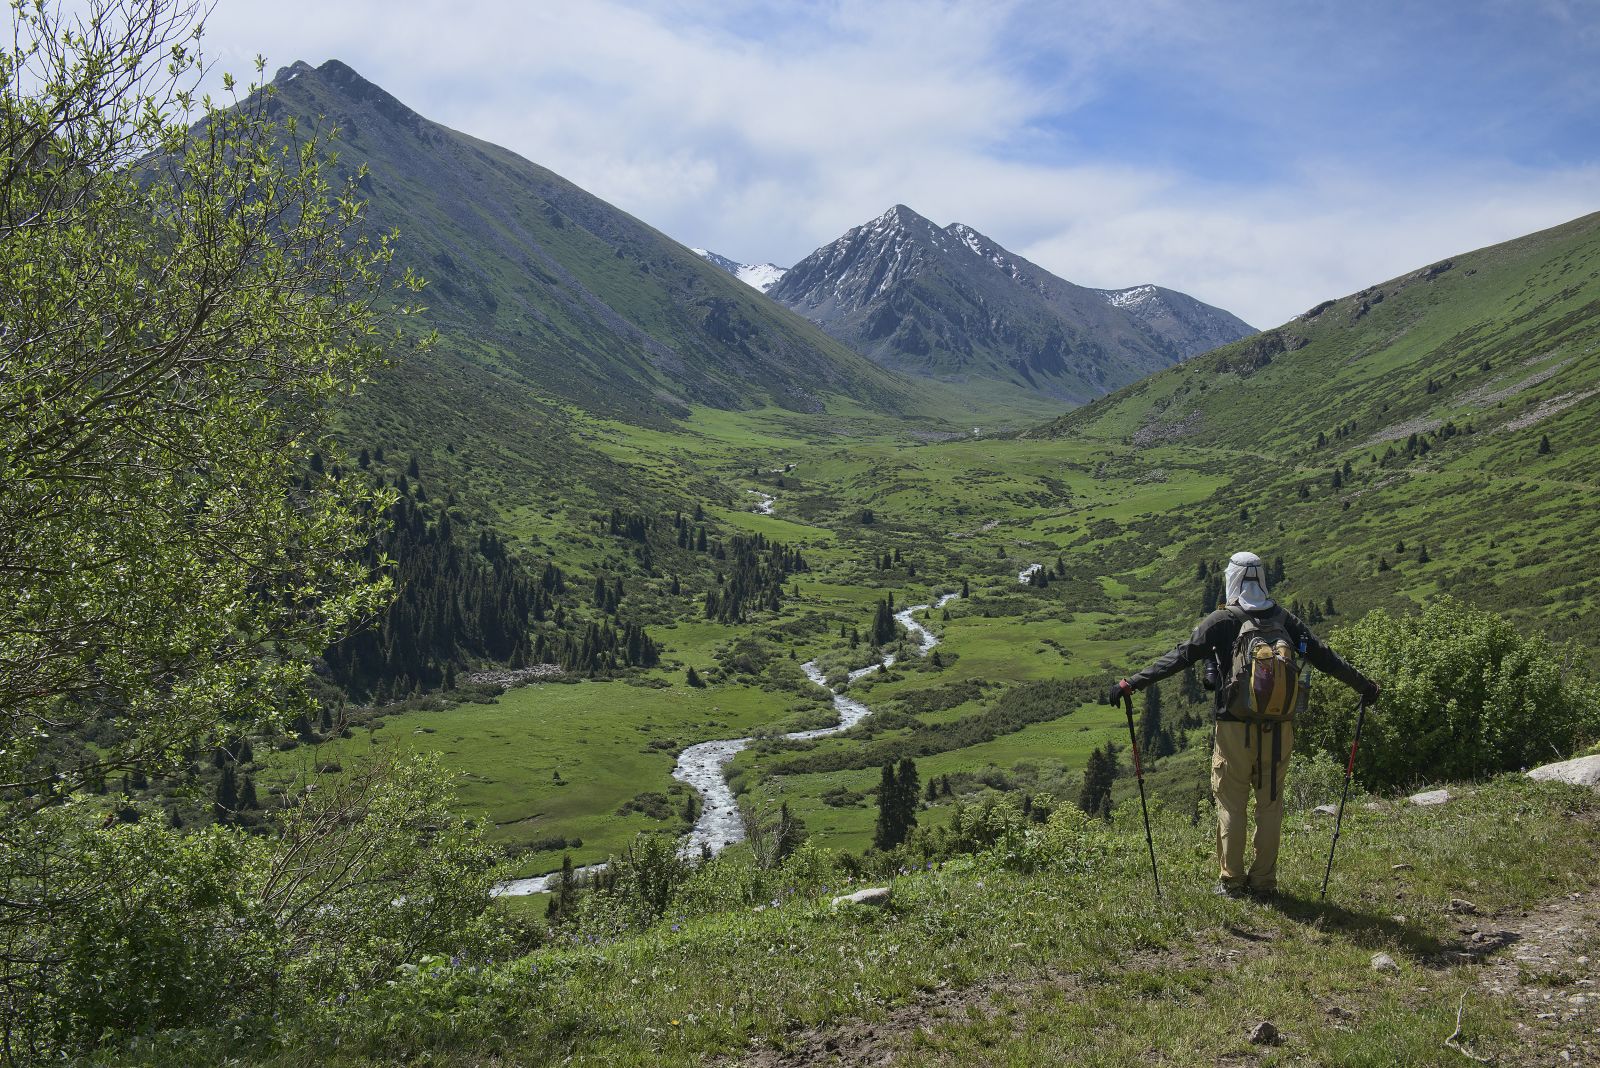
x: 1579, y: 771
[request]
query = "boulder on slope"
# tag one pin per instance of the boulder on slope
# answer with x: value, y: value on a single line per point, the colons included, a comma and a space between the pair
x: 1579, y: 771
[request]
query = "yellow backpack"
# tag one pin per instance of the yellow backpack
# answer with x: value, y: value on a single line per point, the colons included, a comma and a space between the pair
x: 1262, y: 685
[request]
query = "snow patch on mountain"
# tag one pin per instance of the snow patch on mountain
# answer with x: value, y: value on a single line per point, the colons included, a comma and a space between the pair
x: 762, y: 276
x: 1129, y: 298
x: 990, y: 251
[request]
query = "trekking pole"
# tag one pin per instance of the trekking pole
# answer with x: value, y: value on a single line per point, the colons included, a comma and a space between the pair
x: 1138, y: 772
x: 1349, y: 770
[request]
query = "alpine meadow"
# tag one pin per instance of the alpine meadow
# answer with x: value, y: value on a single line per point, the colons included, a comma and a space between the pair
x: 445, y: 619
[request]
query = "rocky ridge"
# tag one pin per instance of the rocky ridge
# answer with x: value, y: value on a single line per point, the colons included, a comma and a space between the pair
x: 952, y: 304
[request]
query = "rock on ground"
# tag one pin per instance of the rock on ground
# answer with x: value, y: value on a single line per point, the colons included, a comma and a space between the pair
x: 1579, y: 771
x: 1265, y: 1034
x: 872, y: 895
x: 1382, y: 962
x: 1430, y: 797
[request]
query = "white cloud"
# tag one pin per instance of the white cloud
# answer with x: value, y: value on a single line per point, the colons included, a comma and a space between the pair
x: 763, y: 131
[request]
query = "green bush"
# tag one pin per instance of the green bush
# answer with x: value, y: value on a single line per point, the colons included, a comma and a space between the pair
x: 133, y: 928
x: 1315, y: 778
x: 1466, y: 693
x: 163, y: 932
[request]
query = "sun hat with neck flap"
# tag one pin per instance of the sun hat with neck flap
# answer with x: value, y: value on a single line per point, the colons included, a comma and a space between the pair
x: 1245, y: 582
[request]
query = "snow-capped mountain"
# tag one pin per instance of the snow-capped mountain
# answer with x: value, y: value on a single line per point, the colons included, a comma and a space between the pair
x: 950, y: 303
x: 761, y: 275
x: 1192, y: 325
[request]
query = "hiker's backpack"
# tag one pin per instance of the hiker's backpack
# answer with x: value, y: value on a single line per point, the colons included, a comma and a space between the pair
x: 1262, y: 685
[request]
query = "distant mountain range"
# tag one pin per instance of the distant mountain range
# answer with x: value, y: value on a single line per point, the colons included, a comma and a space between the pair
x: 543, y: 294
x: 951, y: 304
x: 536, y: 283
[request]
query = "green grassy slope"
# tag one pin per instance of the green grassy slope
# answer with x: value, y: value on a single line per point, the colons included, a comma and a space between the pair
x: 549, y: 285
x: 1436, y: 389
x: 1068, y: 961
x: 1527, y: 308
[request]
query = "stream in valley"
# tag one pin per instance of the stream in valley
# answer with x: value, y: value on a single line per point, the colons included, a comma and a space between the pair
x: 703, y: 765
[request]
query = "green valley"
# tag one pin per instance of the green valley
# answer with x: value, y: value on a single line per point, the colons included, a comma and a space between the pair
x: 1131, y: 508
x: 449, y: 621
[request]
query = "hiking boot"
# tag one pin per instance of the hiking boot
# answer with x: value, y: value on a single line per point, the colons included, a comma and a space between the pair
x: 1227, y: 889
x: 1262, y: 892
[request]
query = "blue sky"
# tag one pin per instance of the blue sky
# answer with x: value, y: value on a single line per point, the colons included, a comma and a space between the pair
x: 1261, y: 156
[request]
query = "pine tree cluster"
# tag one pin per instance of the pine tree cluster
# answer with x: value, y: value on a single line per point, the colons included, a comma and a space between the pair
x: 455, y: 601
x: 755, y: 580
x: 898, y: 798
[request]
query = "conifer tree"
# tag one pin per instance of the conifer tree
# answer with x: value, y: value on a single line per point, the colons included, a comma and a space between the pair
x: 1098, y: 774
x: 227, y: 795
x: 907, y: 791
x: 1150, y: 721
x: 883, y: 626
x: 883, y: 835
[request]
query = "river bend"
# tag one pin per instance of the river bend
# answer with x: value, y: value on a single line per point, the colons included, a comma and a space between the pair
x: 703, y: 765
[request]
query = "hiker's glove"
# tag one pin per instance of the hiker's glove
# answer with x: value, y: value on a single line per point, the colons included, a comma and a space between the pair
x: 1119, y: 689
x: 1370, y: 694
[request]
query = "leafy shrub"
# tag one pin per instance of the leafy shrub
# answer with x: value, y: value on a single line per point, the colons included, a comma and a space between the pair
x: 164, y: 933
x: 1069, y: 841
x: 1466, y: 693
x: 646, y: 876
x: 1315, y: 778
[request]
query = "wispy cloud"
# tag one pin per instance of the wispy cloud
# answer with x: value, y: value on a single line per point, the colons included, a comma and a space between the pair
x: 1261, y: 157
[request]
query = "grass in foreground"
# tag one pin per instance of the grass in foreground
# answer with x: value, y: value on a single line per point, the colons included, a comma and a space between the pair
x: 985, y: 961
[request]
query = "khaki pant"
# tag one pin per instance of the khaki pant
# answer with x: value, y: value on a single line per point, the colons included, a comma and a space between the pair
x: 1241, y: 761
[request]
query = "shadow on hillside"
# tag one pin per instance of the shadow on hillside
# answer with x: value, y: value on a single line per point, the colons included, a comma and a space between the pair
x: 1372, y: 931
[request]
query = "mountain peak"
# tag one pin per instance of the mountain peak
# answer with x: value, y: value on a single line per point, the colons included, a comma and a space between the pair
x: 342, y: 80
x: 951, y: 303
x: 902, y: 215
x: 288, y: 74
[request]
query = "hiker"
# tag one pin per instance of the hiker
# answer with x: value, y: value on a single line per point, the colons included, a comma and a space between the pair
x: 1250, y: 651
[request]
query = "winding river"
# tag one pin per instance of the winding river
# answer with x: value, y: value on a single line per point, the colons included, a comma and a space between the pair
x: 703, y: 765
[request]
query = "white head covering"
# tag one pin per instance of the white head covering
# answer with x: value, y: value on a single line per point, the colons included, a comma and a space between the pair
x: 1246, y: 581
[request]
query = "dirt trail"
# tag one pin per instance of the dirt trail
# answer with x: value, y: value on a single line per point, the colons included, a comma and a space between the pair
x: 1546, y: 960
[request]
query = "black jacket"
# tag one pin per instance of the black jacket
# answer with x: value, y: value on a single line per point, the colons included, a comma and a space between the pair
x: 1214, y: 638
